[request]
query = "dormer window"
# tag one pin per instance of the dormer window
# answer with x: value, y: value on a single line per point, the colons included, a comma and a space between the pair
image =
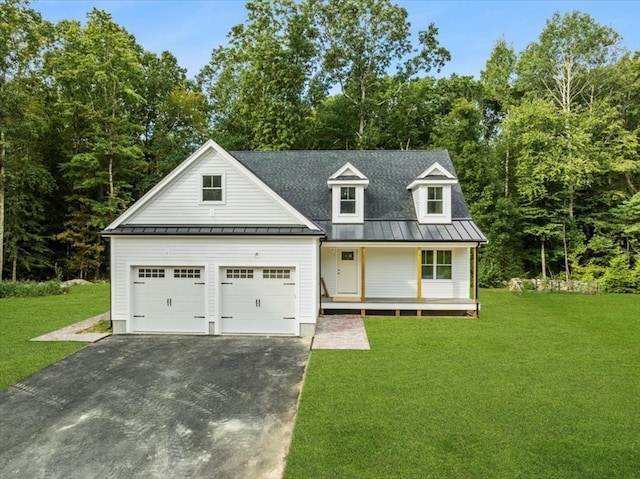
x: 432, y: 195
x: 347, y: 192
x: 212, y: 188
x: 347, y: 200
x: 435, y: 203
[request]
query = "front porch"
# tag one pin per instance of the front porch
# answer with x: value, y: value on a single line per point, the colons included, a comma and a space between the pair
x: 398, y: 279
x: 401, y: 306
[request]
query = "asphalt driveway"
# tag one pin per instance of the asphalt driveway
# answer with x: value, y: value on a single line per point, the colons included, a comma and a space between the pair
x: 156, y: 407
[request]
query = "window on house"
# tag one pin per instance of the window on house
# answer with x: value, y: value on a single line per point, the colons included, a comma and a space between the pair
x: 150, y: 272
x: 435, y: 203
x: 347, y: 200
x: 436, y: 264
x: 212, y: 188
x: 276, y: 274
x: 239, y: 273
x: 186, y: 273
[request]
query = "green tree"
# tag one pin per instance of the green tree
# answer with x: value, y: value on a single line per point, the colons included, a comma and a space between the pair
x: 564, y: 66
x: 24, y: 36
x: 360, y: 41
x: 260, y: 87
x: 94, y: 71
x: 173, y: 116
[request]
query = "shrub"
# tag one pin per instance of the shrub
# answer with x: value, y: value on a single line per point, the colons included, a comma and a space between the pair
x: 619, y: 278
x: 23, y: 289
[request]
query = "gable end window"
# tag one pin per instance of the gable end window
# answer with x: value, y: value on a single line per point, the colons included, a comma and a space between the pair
x: 435, y: 201
x: 212, y: 188
x: 347, y: 200
x: 436, y: 264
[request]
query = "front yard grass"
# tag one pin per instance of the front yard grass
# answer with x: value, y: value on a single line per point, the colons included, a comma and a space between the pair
x: 22, y: 319
x: 542, y: 386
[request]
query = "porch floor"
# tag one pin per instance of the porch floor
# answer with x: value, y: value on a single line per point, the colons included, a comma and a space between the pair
x: 441, y: 306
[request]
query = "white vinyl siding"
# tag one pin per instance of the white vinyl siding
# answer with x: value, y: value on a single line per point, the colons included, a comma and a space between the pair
x: 390, y: 273
x: 328, y: 258
x: 244, y: 203
x: 212, y: 253
x: 458, y: 286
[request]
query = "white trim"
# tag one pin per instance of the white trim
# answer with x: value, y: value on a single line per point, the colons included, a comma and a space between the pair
x: 348, y: 218
x: 358, y: 266
x: 223, y: 188
x: 186, y: 164
x: 332, y: 183
x: 415, y: 244
x: 165, y: 264
x: 348, y: 166
x: 433, y: 218
x: 436, y: 167
x: 430, y: 182
x: 218, y: 267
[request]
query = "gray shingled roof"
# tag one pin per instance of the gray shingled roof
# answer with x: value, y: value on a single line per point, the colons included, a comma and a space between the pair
x: 300, y: 177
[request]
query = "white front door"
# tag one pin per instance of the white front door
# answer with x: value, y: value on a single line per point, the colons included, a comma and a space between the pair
x: 348, y: 270
x: 258, y: 300
x: 168, y: 299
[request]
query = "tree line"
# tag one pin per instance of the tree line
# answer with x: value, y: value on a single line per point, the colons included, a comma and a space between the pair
x: 545, y: 142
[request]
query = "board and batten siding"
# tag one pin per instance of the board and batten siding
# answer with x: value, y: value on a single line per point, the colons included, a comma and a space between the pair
x: 181, y: 201
x: 213, y: 253
x: 390, y: 272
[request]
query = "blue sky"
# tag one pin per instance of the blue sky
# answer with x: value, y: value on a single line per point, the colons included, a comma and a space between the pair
x: 191, y: 29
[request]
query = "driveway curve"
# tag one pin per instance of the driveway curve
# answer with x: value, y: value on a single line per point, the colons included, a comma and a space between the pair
x: 156, y: 407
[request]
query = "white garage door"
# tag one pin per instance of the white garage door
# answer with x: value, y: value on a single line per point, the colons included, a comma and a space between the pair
x: 258, y: 301
x: 168, y: 299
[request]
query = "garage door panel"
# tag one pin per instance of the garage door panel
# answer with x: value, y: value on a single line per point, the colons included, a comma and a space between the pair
x: 168, y: 299
x: 258, y: 301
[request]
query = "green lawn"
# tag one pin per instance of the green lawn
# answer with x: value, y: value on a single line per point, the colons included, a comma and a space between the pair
x: 542, y: 386
x: 24, y: 318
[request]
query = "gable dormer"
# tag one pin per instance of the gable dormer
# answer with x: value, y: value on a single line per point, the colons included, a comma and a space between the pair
x: 347, y: 194
x: 432, y: 195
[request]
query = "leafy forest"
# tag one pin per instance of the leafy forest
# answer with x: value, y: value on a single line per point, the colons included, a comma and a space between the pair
x: 545, y: 142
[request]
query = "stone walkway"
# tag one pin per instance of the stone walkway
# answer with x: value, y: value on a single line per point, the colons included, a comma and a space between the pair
x: 340, y: 332
x: 70, y: 333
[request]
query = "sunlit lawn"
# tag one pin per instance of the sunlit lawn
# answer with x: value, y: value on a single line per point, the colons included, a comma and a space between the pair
x: 24, y: 318
x: 542, y: 386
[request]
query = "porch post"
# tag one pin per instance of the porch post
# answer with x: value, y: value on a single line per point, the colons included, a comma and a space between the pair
x: 418, y: 275
x: 475, y: 274
x: 363, y: 269
x: 476, y: 279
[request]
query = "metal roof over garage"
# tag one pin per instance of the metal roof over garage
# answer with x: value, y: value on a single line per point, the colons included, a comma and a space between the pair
x: 213, y: 230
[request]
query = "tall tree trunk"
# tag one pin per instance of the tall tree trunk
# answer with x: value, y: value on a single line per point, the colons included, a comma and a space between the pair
x: 14, y: 268
x: 566, y: 253
x: 3, y: 154
x: 544, y: 260
x: 506, y: 174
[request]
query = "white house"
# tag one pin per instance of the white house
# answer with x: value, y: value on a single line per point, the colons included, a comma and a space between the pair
x: 263, y: 242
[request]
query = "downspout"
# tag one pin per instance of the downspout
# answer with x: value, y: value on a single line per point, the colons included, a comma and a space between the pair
x: 111, y: 268
x: 319, y: 280
x: 476, y: 279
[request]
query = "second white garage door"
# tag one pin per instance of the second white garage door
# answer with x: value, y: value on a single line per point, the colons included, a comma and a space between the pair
x: 258, y: 301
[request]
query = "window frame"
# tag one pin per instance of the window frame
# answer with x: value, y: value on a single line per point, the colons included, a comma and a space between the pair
x: 438, y: 202
x: 349, y: 201
x: 434, y: 265
x: 220, y: 188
